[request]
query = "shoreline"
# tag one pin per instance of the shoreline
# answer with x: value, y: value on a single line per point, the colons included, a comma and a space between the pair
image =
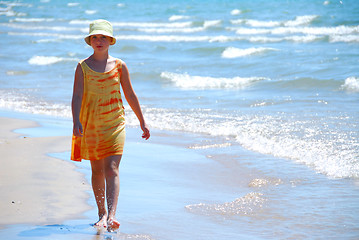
x: 177, y: 185
x: 38, y: 188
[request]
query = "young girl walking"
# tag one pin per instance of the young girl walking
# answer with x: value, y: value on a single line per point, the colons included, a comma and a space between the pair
x: 98, y: 118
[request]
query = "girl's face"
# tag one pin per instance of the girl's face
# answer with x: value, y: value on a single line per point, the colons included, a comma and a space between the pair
x: 100, y: 42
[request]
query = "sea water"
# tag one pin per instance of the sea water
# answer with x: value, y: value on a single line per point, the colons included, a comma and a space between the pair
x: 266, y: 91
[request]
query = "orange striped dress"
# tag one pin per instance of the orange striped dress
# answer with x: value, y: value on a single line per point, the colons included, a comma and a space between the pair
x: 102, y: 115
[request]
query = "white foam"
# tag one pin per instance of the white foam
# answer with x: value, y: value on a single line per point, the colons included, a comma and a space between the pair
x: 220, y: 145
x: 303, y: 39
x: 48, y: 60
x: 330, y: 31
x: 331, y: 150
x: 54, y: 35
x: 183, y: 27
x: 73, y: 4
x: 32, y: 20
x: 238, y: 21
x: 90, y: 12
x: 257, y: 23
x: 298, y: 21
x: 262, y: 39
x: 178, y: 17
x: 198, y: 82
x: 301, y: 20
x: 21, y: 103
x: 232, y: 52
x: 16, y: 4
x: 172, y: 30
x: 345, y: 38
x: 10, y: 13
x: 236, y: 12
x: 339, y: 30
x: 351, y: 84
x: 39, y: 27
x: 80, y: 22
x: 208, y: 24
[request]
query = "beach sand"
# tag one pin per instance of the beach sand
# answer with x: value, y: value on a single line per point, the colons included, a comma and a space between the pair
x: 36, y: 188
x: 163, y: 182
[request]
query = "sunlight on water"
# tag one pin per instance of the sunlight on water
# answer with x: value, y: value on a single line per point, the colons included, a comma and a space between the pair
x: 246, y: 205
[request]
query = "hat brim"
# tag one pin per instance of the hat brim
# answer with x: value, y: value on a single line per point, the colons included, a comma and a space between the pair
x: 87, y: 38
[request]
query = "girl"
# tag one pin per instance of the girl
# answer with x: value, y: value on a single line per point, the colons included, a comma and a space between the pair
x: 98, y: 118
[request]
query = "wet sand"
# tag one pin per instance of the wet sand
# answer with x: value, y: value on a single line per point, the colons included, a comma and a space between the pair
x: 36, y: 188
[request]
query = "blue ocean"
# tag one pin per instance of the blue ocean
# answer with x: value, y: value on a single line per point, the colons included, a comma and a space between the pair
x: 265, y: 94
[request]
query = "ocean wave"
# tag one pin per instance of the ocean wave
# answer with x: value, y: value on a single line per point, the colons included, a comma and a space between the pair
x: 172, y: 30
x: 318, y: 141
x: 181, y: 32
x: 351, y: 84
x: 179, y: 29
x: 187, y: 81
x: 236, y: 12
x: 90, y: 12
x: 48, y: 60
x: 8, y: 12
x: 300, y: 39
x: 345, y: 38
x: 16, y: 4
x: 73, y: 4
x: 298, y: 21
x: 339, y: 30
x: 219, y: 38
x: 181, y: 38
x: 257, y: 23
x: 177, y: 17
x: 39, y: 27
x: 139, y: 24
x: 211, y: 23
x: 17, y: 101
x: 232, y: 52
x: 43, y: 34
x: 327, y: 144
x: 301, y: 20
x: 32, y: 20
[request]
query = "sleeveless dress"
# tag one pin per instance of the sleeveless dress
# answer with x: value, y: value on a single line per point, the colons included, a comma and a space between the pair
x: 102, y: 115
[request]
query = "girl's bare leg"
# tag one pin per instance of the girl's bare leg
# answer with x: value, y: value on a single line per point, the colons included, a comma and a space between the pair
x: 99, y: 188
x: 111, y: 168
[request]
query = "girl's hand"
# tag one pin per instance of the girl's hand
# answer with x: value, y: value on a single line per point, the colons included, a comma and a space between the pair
x: 77, y: 130
x: 146, y: 131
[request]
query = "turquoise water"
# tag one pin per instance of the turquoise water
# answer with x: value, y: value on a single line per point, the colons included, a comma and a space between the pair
x: 277, y: 80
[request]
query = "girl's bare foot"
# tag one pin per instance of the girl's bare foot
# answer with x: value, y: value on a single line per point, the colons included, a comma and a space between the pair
x: 113, y: 225
x: 102, y: 222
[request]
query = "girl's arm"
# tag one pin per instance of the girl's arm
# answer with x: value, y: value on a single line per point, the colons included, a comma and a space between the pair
x: 132, y: 100
x: 77, y: 100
